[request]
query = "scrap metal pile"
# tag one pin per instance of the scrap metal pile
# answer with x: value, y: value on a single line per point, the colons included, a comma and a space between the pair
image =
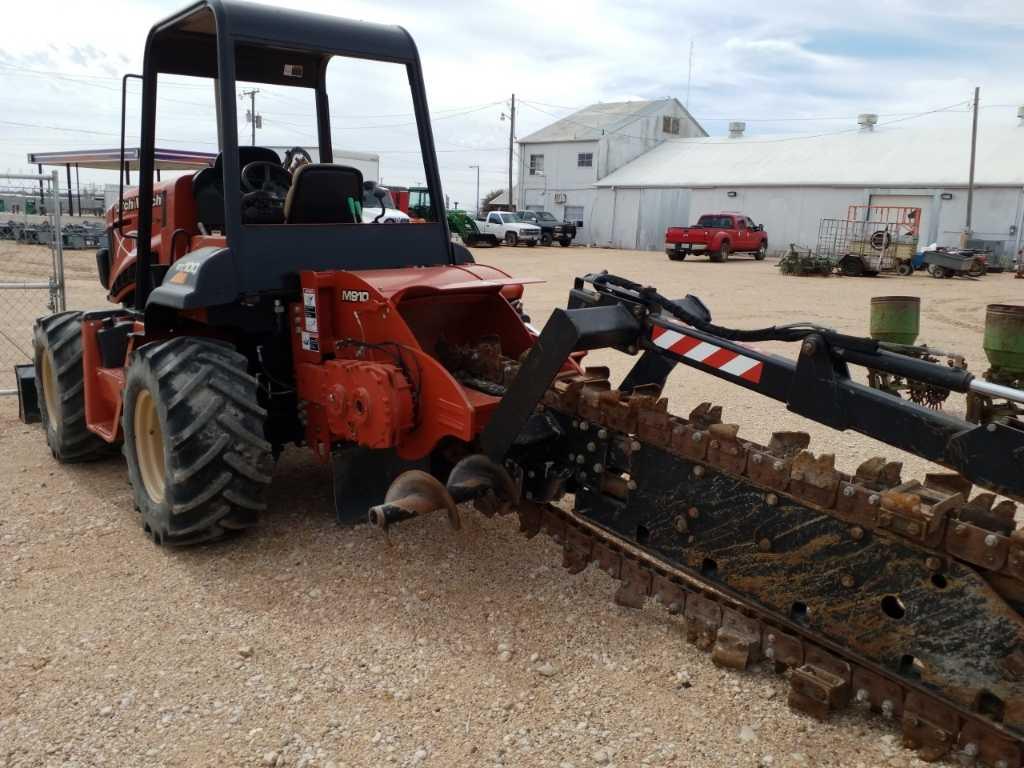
x: 73, y: 236
x: 899, y: 596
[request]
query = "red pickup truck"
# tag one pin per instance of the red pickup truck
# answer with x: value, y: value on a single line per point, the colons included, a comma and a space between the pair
x: 718, y: 235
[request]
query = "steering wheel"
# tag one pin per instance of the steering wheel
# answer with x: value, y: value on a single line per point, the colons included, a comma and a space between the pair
x: 265, y: 176
x: 265, y: 187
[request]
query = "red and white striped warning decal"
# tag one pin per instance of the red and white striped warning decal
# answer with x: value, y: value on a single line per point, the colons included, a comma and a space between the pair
x: 733, y: 363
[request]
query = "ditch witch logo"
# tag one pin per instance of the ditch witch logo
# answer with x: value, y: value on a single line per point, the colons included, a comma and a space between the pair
x: 357, y: 296
x: 132, y: 203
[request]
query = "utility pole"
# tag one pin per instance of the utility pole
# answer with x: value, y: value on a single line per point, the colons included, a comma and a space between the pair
x: 476, y: 208
x: 970, y: 178
x: 511, y: 147
x: 251, y: 116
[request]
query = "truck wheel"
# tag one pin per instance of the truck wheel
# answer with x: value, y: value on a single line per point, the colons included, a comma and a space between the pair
x: 936, y: 271
x: 904, y: 269
x: 197, y: 458
x: 722, y: 254
x: 761, y: 252
x: 565, y: 242
x: 851, y: 267
x: 977, y: 269
x: 676, y: 255
x: 57, y: 342
x: 546, y: 239
x: 511, y: 239
x: 530, y: 243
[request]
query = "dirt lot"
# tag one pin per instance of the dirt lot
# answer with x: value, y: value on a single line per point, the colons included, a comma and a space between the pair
x: 306, y: 644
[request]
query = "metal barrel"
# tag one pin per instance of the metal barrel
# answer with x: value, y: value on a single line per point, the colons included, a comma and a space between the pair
x: 1004, y: 338
x: 895, y: 319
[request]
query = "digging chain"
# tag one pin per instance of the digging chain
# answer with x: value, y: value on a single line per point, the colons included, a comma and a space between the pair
x: 935, y: 516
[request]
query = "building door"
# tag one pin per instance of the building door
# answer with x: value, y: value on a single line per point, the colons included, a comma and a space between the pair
x: 925, y: 233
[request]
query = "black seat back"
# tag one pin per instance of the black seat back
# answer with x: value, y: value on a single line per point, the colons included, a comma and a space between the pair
x: 209, y: 195
x: 320, y: 194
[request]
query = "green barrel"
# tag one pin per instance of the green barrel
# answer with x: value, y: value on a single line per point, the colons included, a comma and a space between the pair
x: 1004, y: 338
x: 895, y: 319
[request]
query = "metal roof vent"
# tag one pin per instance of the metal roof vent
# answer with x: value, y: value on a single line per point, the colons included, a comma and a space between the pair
x: 736, y: 129
x: 867, y: 121
x: 1020, y: 115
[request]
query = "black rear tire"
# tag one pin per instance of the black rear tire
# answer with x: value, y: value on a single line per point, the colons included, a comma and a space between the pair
x: 215, y: 465
x: 851, y: 267
x: 57, y: 342
x: 905, y: 269
x: 676, y: 255
x: 565, y: 242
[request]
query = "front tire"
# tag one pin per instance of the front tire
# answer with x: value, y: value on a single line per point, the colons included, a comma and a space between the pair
x: 565, y: 242
x: 198, y: 462
x: 60, y: 389
x: 511, y: 239
x: 905, y: 269
x: 761, y: 252
x: 546, y: 239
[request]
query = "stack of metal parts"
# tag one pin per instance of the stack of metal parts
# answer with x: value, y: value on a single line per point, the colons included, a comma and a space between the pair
x: 73, y: 236
x: 795, y: 262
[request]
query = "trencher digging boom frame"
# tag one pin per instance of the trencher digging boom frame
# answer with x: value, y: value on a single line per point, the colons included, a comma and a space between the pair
x: 258, y: 311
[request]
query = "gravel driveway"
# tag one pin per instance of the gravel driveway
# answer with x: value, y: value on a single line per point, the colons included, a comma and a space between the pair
x: 305, y: 644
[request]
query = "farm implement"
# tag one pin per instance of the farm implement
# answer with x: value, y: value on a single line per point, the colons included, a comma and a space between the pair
x: 252, y: 309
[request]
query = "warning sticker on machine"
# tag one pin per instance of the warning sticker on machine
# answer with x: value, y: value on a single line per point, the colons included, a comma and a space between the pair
x: 309, y: 309
x: 310, y: 342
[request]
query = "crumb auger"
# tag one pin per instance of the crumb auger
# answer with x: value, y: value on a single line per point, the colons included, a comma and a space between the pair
x: 899, y: 596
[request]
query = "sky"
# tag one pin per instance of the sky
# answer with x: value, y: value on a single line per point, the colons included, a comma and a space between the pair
x: 784, y: 67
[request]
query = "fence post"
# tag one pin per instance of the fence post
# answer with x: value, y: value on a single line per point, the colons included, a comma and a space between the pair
x: 58, y: 240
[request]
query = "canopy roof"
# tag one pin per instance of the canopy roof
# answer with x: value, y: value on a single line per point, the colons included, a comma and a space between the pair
x: 110, y: 159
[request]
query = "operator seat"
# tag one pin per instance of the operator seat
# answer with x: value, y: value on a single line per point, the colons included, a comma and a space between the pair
x: 320, y: 194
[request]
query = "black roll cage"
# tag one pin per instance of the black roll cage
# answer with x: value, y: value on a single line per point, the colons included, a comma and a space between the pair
x: 225, y: 40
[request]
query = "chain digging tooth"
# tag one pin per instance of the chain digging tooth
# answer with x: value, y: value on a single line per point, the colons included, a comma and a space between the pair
x: 815, y: 478
x: 879, y: 474
x: 703, y: 618
x: 706, y: 414
x: 786, y: 445
x: 737, y: 642
x: 669, y: 594
x: 636, y: 584
x: 577, y: 552
x: 529, y: 519
x: 929, y: 726
x: 820, y: 685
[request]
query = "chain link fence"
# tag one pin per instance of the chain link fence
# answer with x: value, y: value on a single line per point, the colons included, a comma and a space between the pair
x: 31, y: 266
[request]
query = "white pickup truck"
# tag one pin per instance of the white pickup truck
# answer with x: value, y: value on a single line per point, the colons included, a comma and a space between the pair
x: 509, y: 228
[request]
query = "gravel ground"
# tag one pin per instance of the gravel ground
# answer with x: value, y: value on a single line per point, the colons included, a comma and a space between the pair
x: 304, y: 644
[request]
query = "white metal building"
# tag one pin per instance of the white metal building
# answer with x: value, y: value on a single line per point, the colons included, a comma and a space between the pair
x: 560, y: 164
x: 790, y: 183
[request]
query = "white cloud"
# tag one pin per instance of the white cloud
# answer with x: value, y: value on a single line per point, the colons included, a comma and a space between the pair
x: 753, y: 60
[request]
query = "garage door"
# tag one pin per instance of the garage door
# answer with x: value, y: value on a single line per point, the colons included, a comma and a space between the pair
x: 924, y: 202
